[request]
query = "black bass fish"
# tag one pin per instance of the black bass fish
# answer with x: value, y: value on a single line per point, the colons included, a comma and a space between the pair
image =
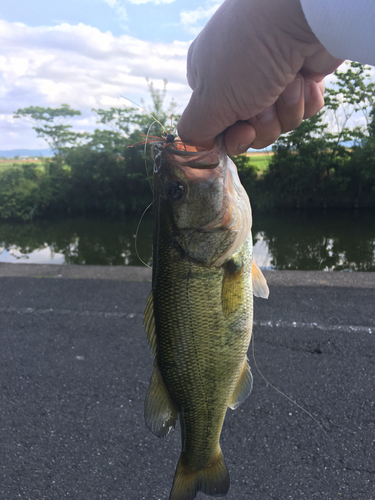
x: 199, y: 314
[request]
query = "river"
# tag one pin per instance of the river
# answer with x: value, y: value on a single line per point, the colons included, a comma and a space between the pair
x: 325, y: 241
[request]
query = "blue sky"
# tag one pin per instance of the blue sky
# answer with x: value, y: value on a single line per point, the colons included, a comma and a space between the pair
x: 89, y: 53
x: 152, y: 20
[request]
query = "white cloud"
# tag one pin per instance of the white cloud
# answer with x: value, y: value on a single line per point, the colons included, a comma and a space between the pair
x: 119, y: 9
x: 81, y: 66
x: 190, y: 18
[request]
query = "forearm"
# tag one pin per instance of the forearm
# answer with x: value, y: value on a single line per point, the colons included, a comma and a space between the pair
x: 346, y: 28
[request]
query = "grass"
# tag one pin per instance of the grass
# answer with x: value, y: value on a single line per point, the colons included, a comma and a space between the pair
x: 8, y: 166
x: 5, y: 164
x: 260, y: 160
x: 39, y: 164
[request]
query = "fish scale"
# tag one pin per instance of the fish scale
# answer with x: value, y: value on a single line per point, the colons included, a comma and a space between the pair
x: 200, y: 311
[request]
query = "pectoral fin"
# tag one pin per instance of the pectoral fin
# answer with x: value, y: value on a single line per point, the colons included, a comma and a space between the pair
x: 160, y: 412
x: 260, y: 287
x: 149, y: 323
x: 233, y: 287
x: 243, y: 387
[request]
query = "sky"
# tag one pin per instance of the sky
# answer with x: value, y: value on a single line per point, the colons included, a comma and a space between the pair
x: 90, y: 54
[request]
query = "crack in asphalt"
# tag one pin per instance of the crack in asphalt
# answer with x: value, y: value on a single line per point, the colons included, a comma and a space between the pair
x: 68, y: 312
x: 316, y: 326
x: 130, y: 315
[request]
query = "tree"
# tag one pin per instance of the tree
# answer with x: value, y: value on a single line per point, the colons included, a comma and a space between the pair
x: 49, y: 124
x: 129, y: 125
x: 300, y: 169
x: 129, y: 120
x: 352, y: 92
x: 325, y: 162
x: 106, y: 175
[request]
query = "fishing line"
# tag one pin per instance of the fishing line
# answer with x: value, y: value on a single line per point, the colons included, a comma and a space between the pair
x: 136, y: 236
x: 147, y: 173
x: 145, y: 110
x: 334, y: 453
x: 148, y: 133
x: 145, y: 151
x: 280, y: 392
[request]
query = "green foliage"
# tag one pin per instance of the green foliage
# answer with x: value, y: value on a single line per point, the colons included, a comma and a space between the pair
x: 153, y: 121
x: 90, y: 173
x: 311, y: 170
x: 299, y: 167
x: 247, y: 173
x: 100, y: 183
x: 23, y: 192
x: 312, y: 166
x: 352, y: 92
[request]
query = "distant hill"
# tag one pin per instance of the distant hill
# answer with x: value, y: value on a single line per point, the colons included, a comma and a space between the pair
x: 11, y: 153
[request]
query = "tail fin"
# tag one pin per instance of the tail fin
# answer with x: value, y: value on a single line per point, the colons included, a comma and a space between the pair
x: 212, y: 480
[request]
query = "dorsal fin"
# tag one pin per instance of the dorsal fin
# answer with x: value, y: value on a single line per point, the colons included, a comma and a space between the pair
x: 149, y: 323
x: 260, y: 287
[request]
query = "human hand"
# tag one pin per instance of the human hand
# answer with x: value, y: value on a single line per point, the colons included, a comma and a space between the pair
x: 256, y: 71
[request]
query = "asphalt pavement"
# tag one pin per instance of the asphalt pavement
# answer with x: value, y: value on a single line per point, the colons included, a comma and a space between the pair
x: 75, y: 368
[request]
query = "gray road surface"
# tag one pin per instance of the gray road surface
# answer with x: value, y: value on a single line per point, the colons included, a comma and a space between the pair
x: 75, y: 366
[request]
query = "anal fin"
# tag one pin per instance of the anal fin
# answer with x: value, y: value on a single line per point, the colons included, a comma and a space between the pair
x: 243, y: 387
x: 160, y: 412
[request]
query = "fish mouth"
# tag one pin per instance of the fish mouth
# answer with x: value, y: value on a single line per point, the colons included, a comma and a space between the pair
x: 182, y: 154
x: 215, y: 219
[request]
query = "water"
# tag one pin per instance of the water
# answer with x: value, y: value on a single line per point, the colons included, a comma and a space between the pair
x: 326, y: 241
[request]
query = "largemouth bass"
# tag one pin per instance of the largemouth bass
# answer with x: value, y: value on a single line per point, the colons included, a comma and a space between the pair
x: 200, y: 311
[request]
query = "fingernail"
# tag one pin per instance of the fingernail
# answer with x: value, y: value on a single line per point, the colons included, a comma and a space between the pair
x: 242, y: 148
x: 292, y: 92
x: 307, y: 91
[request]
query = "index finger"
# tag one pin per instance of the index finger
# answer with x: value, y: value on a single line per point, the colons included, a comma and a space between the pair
x: 198, y: 124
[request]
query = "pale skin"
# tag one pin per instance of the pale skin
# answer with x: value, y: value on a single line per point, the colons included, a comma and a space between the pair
x: 256, y: 71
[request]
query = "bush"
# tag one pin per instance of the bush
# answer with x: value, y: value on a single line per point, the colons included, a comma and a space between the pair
x: 23, y: 192
x: 100, y: 182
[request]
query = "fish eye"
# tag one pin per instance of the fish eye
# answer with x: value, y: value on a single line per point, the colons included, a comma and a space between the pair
x: 175, y: 190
